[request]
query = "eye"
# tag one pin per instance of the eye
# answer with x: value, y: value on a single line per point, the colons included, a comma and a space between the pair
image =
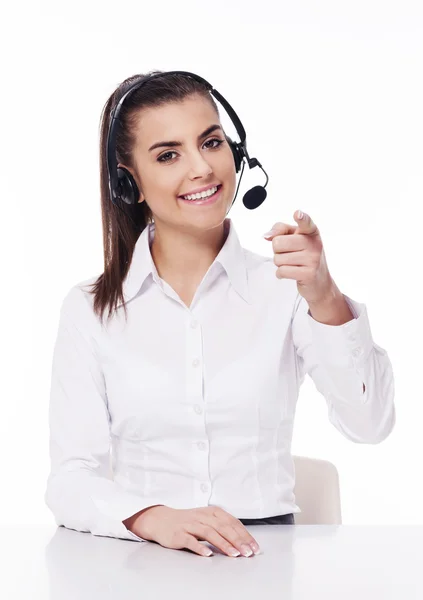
x: 219, y: 141
x: 162, y: 158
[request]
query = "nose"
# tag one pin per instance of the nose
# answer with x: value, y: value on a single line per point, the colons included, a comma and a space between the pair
x: 199, y: 166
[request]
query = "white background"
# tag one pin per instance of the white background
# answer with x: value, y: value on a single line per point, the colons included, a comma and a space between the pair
x: 331, y: 97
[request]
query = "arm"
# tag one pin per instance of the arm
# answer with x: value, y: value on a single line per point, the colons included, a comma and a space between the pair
x: 80, y: 492
x: 353, y: 374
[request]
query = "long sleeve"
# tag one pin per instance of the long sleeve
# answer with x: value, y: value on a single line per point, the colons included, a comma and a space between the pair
x: 80, y: 491
x: 340, y: 359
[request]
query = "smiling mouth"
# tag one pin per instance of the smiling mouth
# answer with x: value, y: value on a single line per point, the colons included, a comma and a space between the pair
x: 205, y: 200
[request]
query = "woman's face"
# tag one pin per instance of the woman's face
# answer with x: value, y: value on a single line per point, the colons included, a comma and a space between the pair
x: 164, y: 173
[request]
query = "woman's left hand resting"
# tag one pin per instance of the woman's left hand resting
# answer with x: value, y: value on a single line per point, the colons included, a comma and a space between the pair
x: 299, y: 254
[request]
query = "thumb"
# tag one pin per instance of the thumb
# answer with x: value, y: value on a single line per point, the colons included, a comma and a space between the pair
x: 305, y: 223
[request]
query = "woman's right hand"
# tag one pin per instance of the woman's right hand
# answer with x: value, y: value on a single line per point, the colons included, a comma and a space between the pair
x: 183, y: 528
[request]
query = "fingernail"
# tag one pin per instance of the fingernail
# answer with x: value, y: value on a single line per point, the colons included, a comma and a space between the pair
x: 234, y: 552
x: 246, y: 550
x: 255, y: 548
x: 269, y: 233
x: 300, y: 214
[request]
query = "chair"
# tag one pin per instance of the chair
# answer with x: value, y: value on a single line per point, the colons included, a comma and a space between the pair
x: 317, y: 492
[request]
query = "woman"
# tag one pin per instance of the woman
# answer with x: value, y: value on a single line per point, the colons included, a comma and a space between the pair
x: 192, y: 381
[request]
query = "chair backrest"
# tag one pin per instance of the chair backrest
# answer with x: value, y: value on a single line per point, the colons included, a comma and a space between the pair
x: 317, y: 492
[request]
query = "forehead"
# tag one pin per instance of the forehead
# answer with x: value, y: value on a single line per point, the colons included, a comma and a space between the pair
x: 176, y: 120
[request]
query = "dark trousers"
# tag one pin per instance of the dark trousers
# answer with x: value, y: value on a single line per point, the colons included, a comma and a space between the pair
x: 277, y: 520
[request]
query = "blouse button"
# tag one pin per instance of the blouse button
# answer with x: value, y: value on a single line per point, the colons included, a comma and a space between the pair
x: 195, y: 362
x: 201, y: 446
x: 198, y: 409
x: 194, y: 324
x: 204, y: 487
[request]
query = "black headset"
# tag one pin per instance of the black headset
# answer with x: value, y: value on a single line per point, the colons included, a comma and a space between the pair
x: 122, y: 185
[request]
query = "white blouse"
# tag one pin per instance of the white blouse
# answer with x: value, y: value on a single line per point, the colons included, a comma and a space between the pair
x: 189, y: 407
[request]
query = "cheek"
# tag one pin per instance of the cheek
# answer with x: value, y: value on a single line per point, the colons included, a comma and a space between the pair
x: 166, y: 185
x: 231, y: 182
x: 226, y: 170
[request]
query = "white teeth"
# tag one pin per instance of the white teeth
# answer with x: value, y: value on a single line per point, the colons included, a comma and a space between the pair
x: 205, y: 194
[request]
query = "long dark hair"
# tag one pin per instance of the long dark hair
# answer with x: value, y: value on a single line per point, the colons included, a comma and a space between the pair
x: 121, y: 232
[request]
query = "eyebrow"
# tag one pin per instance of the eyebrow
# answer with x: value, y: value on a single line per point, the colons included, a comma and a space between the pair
x: 173, y: 143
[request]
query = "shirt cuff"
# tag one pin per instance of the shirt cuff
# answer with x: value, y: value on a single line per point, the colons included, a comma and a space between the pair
x: 118, y: 508
x: 347, y: 345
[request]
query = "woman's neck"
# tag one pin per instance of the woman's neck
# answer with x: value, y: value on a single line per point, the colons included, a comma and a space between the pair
x: 183, y: 258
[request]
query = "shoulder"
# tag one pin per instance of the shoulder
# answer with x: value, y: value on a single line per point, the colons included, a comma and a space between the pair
x: 78, y: 302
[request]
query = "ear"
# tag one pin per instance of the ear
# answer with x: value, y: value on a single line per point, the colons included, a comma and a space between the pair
x: 134, y: 175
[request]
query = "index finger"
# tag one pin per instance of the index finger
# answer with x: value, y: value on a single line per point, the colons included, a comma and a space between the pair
x: 280, y: 229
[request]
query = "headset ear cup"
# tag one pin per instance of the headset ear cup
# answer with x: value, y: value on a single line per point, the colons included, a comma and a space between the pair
x: 129, y: 192
x: 235, y: 152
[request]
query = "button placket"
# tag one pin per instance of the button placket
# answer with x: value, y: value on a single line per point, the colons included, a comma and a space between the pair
x: 194, y: 375
x: 194, y: 382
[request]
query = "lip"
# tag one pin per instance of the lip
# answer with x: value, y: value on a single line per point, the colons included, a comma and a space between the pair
x: 201, y: 189
x: 205, y: 201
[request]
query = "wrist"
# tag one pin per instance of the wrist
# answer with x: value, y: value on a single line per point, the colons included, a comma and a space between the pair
x: 331, y: 295
x: 139, y: 518
x: 333, y: 309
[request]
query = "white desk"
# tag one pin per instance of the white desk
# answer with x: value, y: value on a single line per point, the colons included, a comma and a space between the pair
x: 307, y: 562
